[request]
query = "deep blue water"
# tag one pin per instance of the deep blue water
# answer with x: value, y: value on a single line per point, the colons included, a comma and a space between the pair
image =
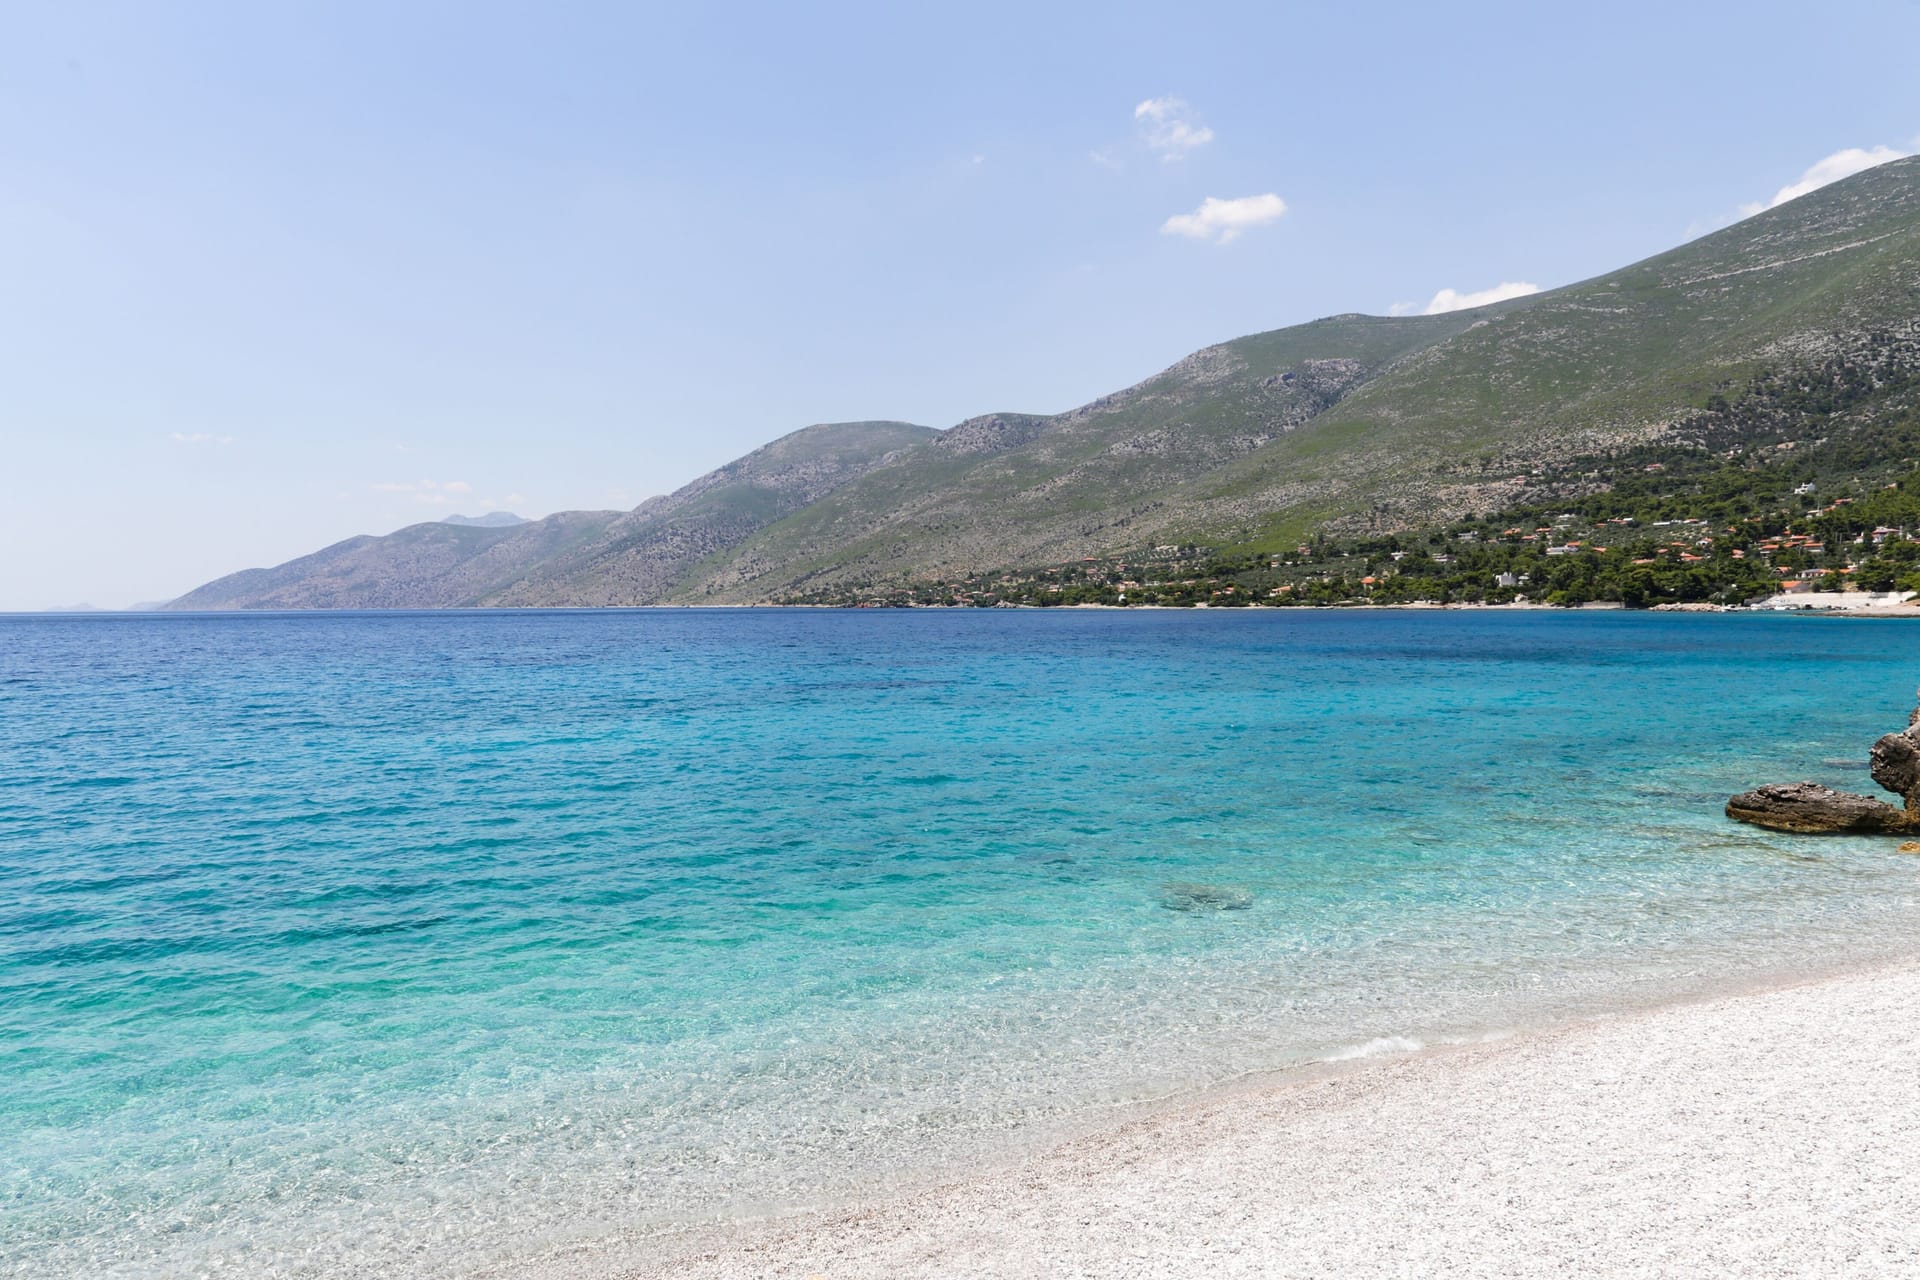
x: 324, y: 935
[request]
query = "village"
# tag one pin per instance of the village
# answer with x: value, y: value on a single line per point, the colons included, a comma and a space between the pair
x: 1853, y: 551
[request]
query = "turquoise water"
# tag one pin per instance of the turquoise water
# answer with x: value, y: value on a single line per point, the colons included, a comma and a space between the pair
x: 324, y: 937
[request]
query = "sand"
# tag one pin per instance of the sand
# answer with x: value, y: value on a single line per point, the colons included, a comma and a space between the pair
x: 1768, y: 1134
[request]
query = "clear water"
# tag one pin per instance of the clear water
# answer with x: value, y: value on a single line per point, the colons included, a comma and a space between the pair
x: 327, y: 938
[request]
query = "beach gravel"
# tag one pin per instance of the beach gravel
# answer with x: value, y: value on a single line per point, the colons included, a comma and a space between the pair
x: 1768, y: 1134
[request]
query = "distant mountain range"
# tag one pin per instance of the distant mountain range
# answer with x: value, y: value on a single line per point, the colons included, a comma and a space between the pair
x: 491, y: 520
x: 573, y: 557
x: 1345, y: 424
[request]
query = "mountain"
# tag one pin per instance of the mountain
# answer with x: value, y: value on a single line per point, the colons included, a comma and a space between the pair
x: 643, y: 555
x: 572, y: 557
x: 1358, y: 422
x: 1021, y: 488
x: 423, y: 566
x: 1351, y: 424
x: 491, y: 520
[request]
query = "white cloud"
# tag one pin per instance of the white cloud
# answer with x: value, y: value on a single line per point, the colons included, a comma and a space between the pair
x: 1104, y: 157
x: 1223, y: 220
x: 1170, y: 128
x: 1841, y: 164
x: 199, y: 437
x: 1403, y: 308
x: 1453, y: 300
x: 515, y: 499
x: 457, y: 486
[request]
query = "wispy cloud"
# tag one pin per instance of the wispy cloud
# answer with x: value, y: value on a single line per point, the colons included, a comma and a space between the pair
x: 1170, y: 128
x: 1841, y: 164
x: 199, y: 437
x: 1222, y: 221
x: 1453, y: 300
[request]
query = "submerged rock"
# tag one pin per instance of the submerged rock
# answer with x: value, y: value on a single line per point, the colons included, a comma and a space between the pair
x: 1179, y: 895
x: 1809, y: 808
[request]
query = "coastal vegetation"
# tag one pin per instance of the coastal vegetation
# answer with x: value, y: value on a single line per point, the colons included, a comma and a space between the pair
x: 1803, y: 479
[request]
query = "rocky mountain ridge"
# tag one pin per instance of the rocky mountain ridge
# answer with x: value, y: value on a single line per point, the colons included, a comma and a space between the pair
x: 1350, y: 424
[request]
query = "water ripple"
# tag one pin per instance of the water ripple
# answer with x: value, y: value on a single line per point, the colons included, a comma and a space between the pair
x: 324, y: 935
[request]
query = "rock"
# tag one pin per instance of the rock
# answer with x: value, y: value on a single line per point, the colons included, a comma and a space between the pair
x: 1808, y: 808
x: 1909, y: 846
x: 1179, y: 895
x: 1896, y: 766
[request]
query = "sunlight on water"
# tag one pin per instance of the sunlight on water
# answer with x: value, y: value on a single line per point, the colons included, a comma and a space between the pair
x: 323, y: 938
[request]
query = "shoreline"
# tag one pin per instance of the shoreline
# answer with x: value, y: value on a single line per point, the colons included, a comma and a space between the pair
x: 1911, y: 610
x: 1524, y: 1154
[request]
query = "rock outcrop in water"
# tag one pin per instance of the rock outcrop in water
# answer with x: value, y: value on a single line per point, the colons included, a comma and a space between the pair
x: 1809, y: 808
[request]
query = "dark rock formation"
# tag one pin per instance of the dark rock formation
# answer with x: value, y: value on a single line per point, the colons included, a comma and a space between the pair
x: 1809, y: 808
x: 1896, y: 766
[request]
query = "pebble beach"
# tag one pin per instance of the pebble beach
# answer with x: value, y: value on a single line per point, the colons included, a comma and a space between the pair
x: 1765, y: 1134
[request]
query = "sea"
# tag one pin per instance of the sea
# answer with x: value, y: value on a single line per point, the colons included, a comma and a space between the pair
x: 428, y: 944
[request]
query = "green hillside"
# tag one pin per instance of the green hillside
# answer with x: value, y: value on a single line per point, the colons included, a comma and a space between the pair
x: 1365, y: 422
x: 1611, y: 360
x: 1802, y: 480
x: 1352, y: 427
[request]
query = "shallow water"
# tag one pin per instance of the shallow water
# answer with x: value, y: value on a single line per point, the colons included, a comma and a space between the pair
x: 323, y: 937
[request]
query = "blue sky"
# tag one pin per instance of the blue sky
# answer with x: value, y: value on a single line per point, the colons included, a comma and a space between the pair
x: 275, y: 274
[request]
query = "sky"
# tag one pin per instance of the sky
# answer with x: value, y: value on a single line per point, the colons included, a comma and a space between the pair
x: 272, y: 275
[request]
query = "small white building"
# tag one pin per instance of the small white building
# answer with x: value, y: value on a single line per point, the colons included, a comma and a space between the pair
x: 1879, y: 601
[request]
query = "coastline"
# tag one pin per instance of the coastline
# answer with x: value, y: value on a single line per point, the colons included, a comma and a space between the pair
x: 1497, y: 906
x: 1908, y: 610
x: 1762, y: 1132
